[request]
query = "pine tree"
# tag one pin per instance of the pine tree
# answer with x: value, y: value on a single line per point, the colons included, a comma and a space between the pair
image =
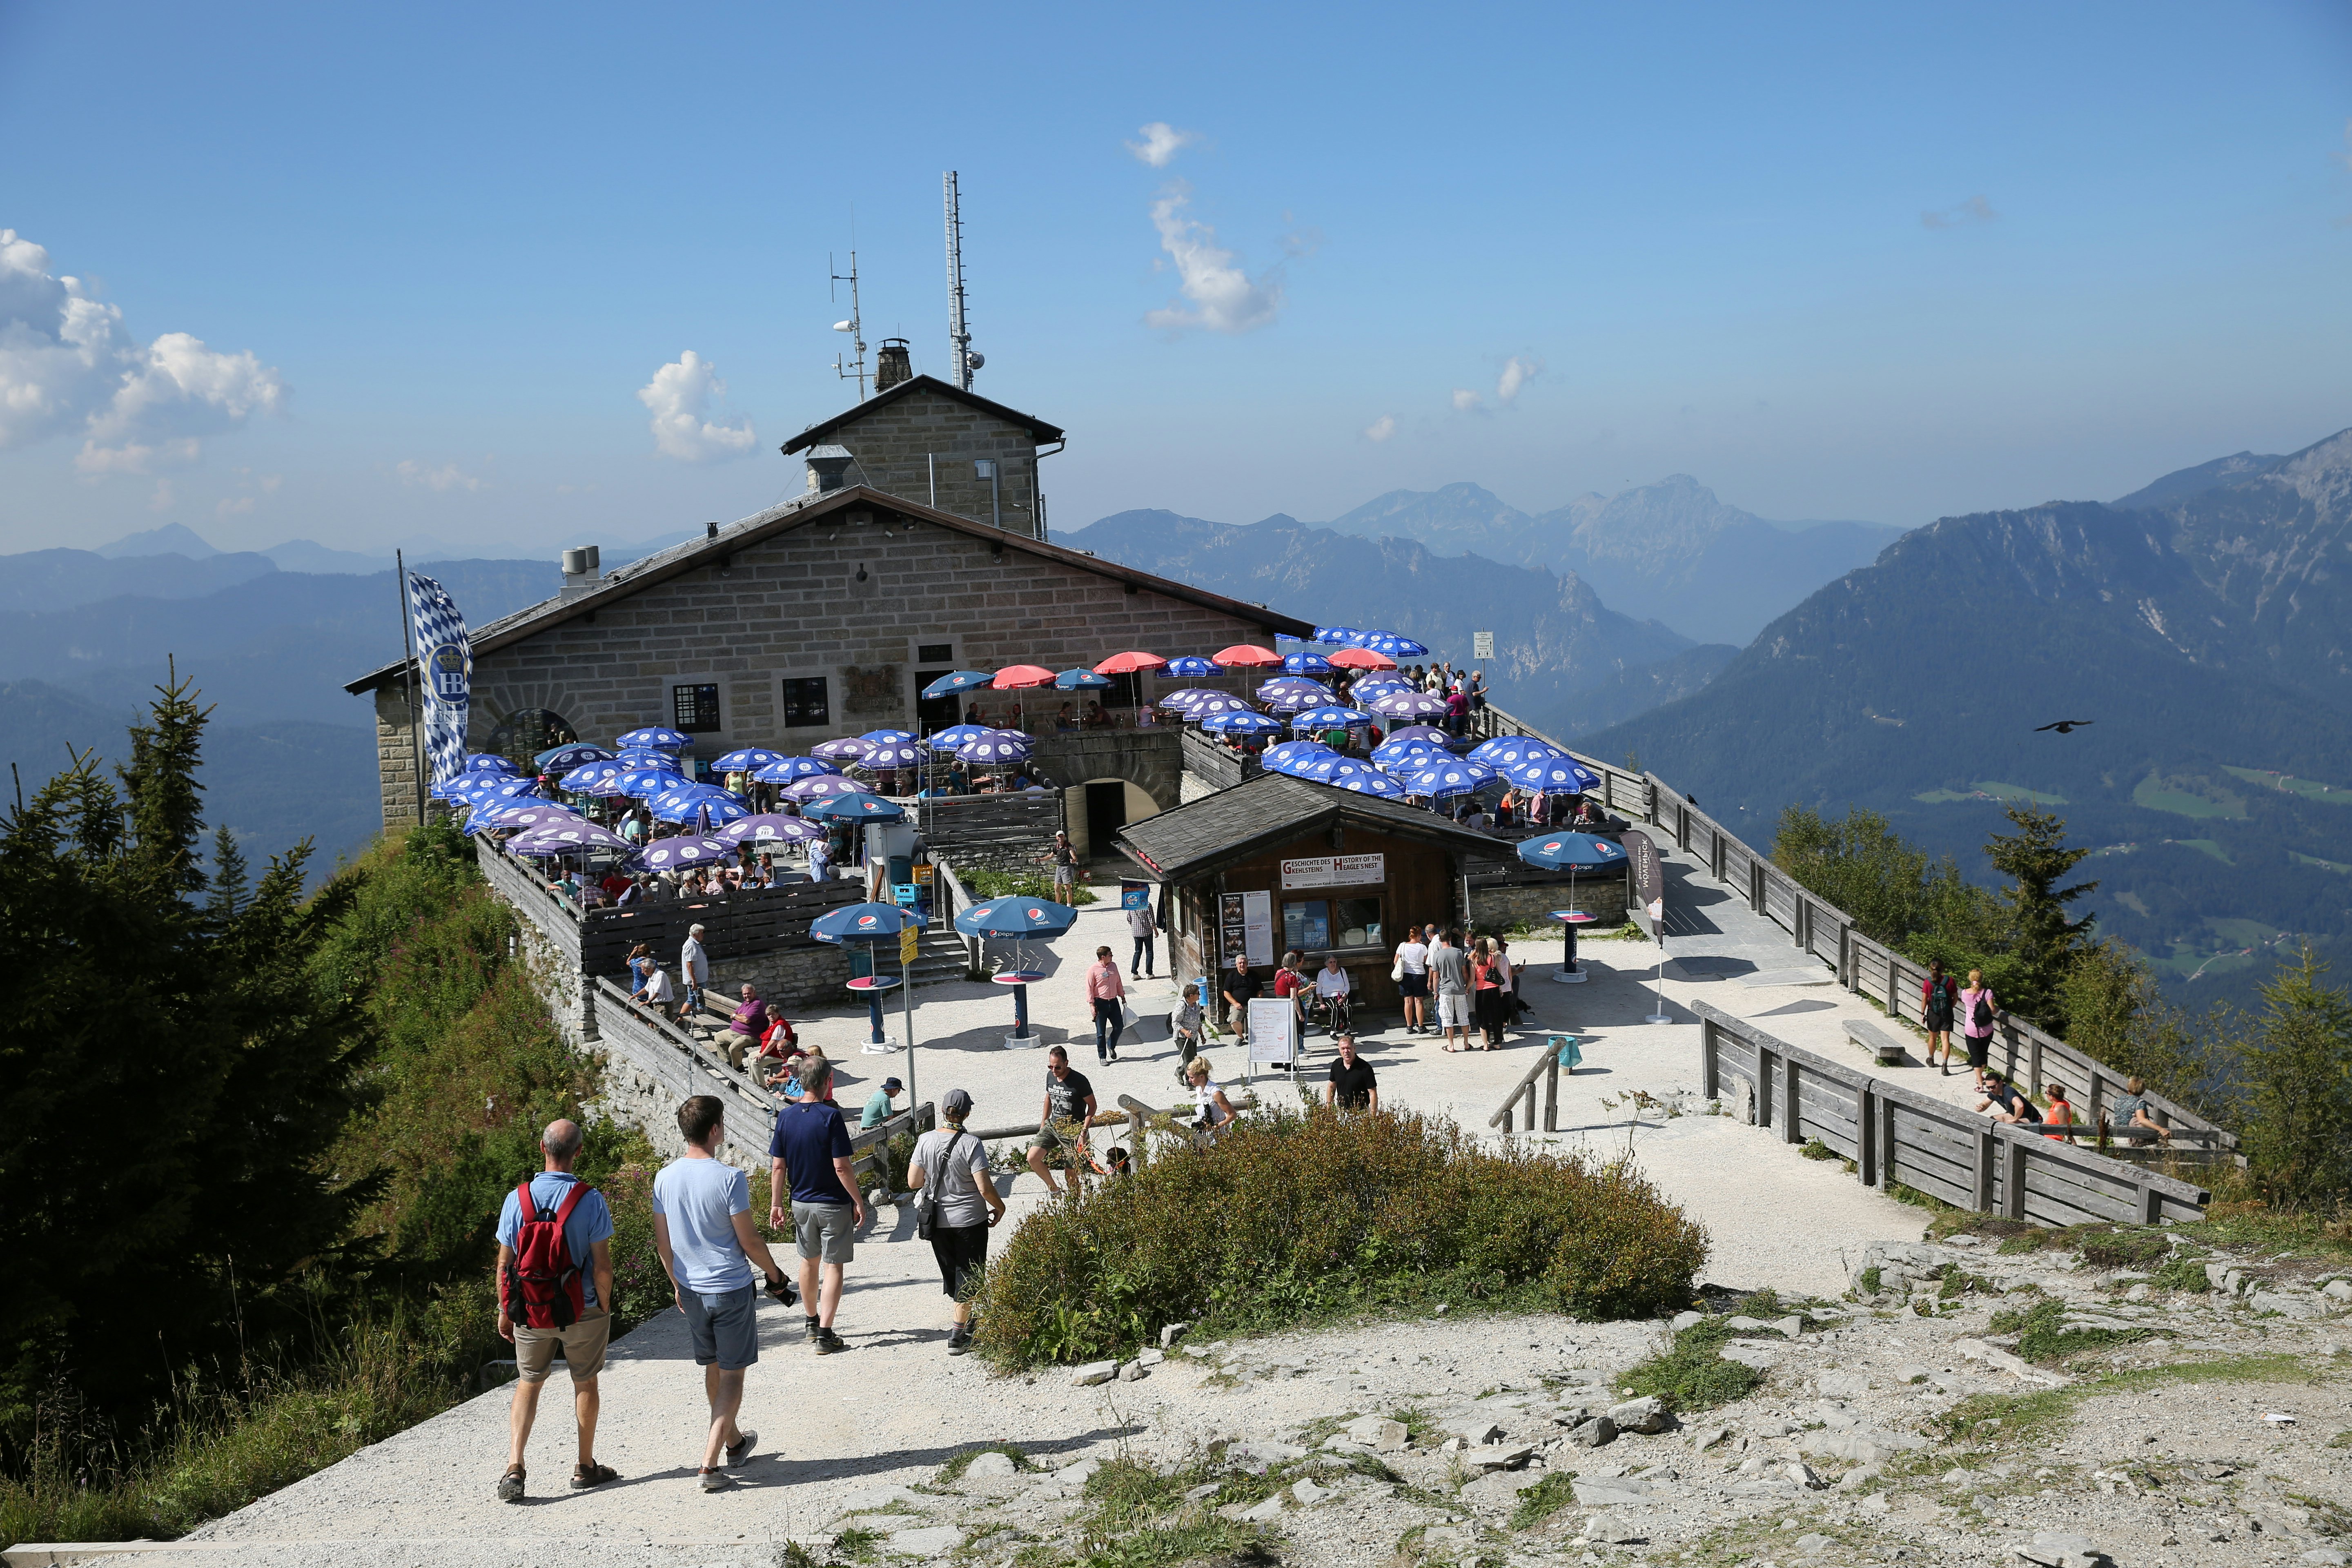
x: 2294, y: 1083
x: 228, y: 880
x: 2044, y: 941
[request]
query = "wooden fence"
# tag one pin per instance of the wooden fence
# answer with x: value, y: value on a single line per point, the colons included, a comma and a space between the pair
x: 1897, y: 1135
x: 1862, y: 966
x: 1523, y: 1096
x: 955, y: 822
x: 1216, y: 764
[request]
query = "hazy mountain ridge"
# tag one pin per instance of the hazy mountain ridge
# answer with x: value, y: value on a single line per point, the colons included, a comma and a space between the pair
x: 1671, y: 552
x: 1555, y: 639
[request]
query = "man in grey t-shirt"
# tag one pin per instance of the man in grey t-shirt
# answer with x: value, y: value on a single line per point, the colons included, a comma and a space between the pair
x: 1449, y: 971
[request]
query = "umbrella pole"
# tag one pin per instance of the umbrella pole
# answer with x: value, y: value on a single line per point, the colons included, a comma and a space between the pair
x: 907, y: 984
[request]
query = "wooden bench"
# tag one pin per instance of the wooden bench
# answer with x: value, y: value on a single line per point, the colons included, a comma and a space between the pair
x: 1871, y: 1037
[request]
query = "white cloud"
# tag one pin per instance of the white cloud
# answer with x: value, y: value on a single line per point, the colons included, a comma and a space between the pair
x: 1161, y: 143
x: 679, y: 395
x: 1381, y: 429
x: 447, y: 476
x: 1976, y: 209
x: 1466, y: 401
x: 230, y: 506
x: 1223, y: 297
x: 66, y: 364
x: 1517, y: 374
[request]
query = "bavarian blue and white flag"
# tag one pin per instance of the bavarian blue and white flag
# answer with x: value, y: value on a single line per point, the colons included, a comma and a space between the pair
x: 445, y: 658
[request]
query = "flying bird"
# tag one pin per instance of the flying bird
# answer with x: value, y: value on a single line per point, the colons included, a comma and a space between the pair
x: 2064, y: 726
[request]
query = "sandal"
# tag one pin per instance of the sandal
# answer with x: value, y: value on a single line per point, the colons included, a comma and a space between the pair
x: 510, y: 1485
x: 594, y: 1475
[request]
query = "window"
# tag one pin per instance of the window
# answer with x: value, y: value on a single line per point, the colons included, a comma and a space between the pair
x: 693, y: 707
x: 1318, y: 925
x: 935, y: 653
x: 525, y: 733
x: 805, y: 702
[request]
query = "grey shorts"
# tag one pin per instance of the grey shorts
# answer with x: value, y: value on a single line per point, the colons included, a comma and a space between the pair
x: 825, y: 1231
x: 1453, y: 1010
x: 725, y: 1326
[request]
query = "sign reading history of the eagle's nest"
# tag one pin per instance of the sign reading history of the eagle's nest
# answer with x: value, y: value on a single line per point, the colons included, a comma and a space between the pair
x: 1334, y: 871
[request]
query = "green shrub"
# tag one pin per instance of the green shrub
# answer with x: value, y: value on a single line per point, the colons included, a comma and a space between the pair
x: 1556, y: 1490
x: 2043, y: 1335
x: 1292, y: 1216
x: 2183, y: 1273
x: 1691, y: 1375
x: 1814, y: 1148
x: 982, y: 882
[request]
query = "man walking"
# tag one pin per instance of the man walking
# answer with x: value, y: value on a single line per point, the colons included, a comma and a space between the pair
x: 1352, y: 1085
x: 570, y: 1259
x: 809, y: 1159
x: 1450, y: 969
x: 1065, y: 868
x: 1062, y: 1119
x: 703, y: 1230
x: 1142, y: 924
x: 1108, y: 994
x: 694, y: 969
x: 744, y: 1029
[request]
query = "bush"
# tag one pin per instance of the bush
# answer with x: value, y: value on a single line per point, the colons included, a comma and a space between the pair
x: 1291, y: 1216
x: 982, y: 882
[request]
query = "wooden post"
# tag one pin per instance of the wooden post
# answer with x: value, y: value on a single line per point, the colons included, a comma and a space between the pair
x: 2033, y: 1071
x: 1988, y: 1152
x: 1551, y: 1090
x: 1710, y: 1065
x: 1790, y: 1133
x: 2012, y: 1181
x: 1135, y: 1141
x: 1528, y: 1125
x: 1886, y: 1159
x: 2149, y: 1203
x: 1865, y: 1134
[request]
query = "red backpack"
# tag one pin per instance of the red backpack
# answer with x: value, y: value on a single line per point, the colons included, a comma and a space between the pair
x: 544, y: 1288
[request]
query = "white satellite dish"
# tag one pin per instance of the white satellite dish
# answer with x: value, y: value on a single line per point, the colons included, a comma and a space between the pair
x: 973, y: 358
x: 843, y: 326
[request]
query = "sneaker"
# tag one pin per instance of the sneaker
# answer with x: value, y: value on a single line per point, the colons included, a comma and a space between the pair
x: 961, y: 1341
x: 829, y: 1343
x: 510, y: 1485
x: 810, y: 1329
x: 740, y: 1449
x: 717, y: 1481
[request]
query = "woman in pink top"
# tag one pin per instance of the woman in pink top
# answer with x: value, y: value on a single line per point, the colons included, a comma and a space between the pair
x: 1978, y: 1012
x: 1109, y: 994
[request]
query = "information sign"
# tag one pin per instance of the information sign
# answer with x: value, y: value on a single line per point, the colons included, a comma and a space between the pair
x: 1334, y: 871
x: 1272, y: 1031
x: 1482, y: 644
x: 908, y: 940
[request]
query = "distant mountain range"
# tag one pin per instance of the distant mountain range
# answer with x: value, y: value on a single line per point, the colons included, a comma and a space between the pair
x: 1562, y: 657
x: 2203, y: 622
x: 1669, y: 551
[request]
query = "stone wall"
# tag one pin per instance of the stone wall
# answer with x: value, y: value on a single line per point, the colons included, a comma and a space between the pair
x: 1501, y: 908
x: 1149, y: 759
x: 395, y: 756
x: 798, y: 978
x: 904, y: 445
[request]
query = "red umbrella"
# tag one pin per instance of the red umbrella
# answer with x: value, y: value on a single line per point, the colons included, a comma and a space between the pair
x: 1241, y: 655
x: 1358, y: 658
x: 1131, y: 664
x: 1015, y: 677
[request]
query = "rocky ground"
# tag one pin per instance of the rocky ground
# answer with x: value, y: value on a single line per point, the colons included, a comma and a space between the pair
x: 2134, y: 1399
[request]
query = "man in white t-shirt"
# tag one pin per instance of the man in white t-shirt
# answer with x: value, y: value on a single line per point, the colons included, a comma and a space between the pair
x: 1413, y: 981
x: 693, y: 968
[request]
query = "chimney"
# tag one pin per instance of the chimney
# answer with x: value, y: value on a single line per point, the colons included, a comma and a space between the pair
x: 828, y: 468
x: 580, y: 571
x: 891, y: 366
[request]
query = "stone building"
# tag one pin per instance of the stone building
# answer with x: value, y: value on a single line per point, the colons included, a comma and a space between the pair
x: 924, y: 440
x: 821, y: 617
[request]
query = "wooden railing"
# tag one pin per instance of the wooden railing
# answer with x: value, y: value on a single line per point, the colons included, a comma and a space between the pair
x: 955, y: 822
x: 1895, y: 1135
x: 1523, y: 1096
x: 684, y: 1066
x: 1216, y: 764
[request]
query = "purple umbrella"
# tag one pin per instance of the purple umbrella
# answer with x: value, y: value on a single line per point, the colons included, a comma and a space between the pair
x: 887, y: 737
x: 1216, y: 703
x: 560, y: 837
x: 904, y: 753
x: 705, y: 806
x: 663, y: 854
x: 996, y: 746
x: 1183, y: 701
x: 1429, y: 732
x: 591, y: 778
x: 847, y: 749
x: 791, y: 768
x: 525, y: 815
x: 817, y: 786
x: 1406, y: 704
x: 771, y: 827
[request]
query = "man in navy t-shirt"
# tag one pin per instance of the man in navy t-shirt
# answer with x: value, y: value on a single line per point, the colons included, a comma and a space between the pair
x: 809, y: 1158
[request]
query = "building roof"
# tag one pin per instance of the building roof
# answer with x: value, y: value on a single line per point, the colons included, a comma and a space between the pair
x: 623, y: 582
x: 825, y: 428
x: 1229, y: 826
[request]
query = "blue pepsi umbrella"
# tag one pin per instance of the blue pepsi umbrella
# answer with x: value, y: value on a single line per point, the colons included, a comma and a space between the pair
x: 1191, y: 667
x: 996, y: 746
x: 475, y: 788
x: 961, y: 680
x: 1503, y: 751
x: 1306, y: 664
x: 1369, y: 783
x: 648, y: 757
x: 1330, y: 719
x: 1288, y: 754
x: 888, y: 737
x: 1080, y: 680
x: 1553, y: 775
x: 771, y: 827
x: 564, y: 759
x: 655, y: 736
x: 859, y: 807
x: 788, y: 770
x: 1407, y: 756
x: 1015, y: 917
x: 1335, y: 767
x: 955, y: 735
x: 489, y: 762
x: 1440, y: 779
x: 1242, y: 723
x: 1570, y: 852
x: 745, y: 759
x: 864, y: 922
x: 640, y: 783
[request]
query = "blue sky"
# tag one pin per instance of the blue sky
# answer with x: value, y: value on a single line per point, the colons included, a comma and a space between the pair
x: 393, y: 273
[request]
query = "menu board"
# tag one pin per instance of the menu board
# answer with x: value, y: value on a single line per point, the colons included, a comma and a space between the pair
x: 1245, y: 925
x: 1335, y: 871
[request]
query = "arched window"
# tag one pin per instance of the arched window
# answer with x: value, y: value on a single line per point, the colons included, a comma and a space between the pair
x: 526, y: 731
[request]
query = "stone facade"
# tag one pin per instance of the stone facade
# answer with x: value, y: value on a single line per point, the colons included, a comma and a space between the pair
x: 921, y: 445
x: 853, y: 596
x: 1149, y: 759
x: 1506, y: 908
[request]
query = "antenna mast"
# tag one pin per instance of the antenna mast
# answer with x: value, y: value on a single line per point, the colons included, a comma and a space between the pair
x: 855, y: 326
x: 960, y: 355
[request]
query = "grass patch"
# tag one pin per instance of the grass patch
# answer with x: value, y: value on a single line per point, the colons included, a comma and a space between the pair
x: 1986, y: 1422
x: 1545, y: 1497
x: 2182, y: 1274
x: 2042, y: 1334
x: 1691, y: 1375
x: 1917, y: 1199
x: 952, y: 1471
x: 1419, y: 1424
x: 982, y: 883
x: 1870, y: 1281
x: 1292, y: 1218
x: 1814, y: 1148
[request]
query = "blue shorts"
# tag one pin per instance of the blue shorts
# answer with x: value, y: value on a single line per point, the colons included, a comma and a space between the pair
x: 725, y: 1326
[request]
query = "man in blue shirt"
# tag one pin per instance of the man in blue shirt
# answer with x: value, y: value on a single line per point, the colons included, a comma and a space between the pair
x: 587, y: 1235
x: 809, y: 1159
x: 702, y: 1227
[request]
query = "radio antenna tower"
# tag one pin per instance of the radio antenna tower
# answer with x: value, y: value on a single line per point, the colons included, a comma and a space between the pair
x: 855, y: 326
x: 960, y: 355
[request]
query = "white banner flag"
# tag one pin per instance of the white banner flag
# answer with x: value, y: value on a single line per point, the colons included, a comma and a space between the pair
x: 445, y: 658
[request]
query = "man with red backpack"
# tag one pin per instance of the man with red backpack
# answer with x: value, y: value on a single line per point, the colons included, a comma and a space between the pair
x: 555, y: 1288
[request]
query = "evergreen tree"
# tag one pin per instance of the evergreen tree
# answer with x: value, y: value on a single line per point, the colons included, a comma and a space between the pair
x: 228, y: 880
x: 2293, y: 1084
x: 2044, y: 941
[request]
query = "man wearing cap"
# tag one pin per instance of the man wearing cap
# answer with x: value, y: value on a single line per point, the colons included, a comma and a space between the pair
x: 951, y: 1165
x: 878, y: 1106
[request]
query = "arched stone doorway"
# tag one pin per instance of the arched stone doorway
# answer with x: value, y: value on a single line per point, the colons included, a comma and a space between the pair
x: 522, y: 734
x: 1098, y: 808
